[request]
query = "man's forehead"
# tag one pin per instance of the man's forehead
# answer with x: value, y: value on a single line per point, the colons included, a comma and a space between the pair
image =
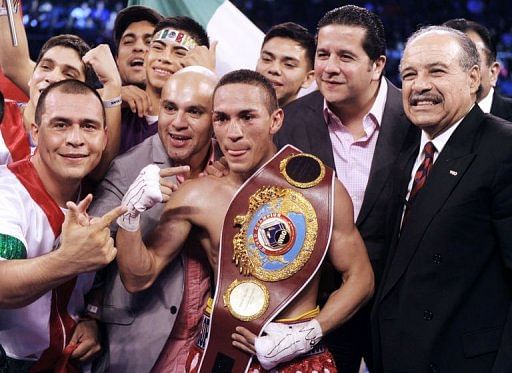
x: 173, y: 36
x: 140, y: 27
x: 63, y: 55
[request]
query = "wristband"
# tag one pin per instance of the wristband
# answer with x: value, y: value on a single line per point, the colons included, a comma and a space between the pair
x: 116, y: 101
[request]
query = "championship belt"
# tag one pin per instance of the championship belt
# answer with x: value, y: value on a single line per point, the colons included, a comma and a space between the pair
x: 275, y: 237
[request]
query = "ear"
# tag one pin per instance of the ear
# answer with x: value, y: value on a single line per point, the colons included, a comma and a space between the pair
x: 474, y: 79
x: 277, y: 121
x: 308, y: 79
x: 34, y: 132
x: 378, y: 67
x: 495, y: 71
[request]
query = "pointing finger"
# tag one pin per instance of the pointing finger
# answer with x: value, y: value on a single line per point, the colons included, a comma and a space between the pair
x: 172, y: 171
x: 110, y: 216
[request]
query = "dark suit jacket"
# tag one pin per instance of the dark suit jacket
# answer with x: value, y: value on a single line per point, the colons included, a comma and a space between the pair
x: 444, y: 300
x: 304, y: 127
x: 501, y: 106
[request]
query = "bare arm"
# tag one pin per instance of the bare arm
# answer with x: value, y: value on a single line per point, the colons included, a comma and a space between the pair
x: 83, y: 249
x: 104, y: 65
x: 348, y: 255
x: 15, y: 61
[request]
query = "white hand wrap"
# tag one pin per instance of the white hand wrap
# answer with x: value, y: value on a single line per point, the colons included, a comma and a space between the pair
x: 284, y: 342
x: 143, y: 194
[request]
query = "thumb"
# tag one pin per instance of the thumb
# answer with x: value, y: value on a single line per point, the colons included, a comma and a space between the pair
x: 213, y: 47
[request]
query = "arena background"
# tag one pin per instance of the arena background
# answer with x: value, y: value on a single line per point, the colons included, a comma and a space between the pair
x: 93, y: 20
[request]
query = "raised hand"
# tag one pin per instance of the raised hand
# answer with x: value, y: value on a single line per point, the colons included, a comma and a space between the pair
x: 148, y: 189
x: 202, y: 56
x: 137, y: 99
x: 87, y: 247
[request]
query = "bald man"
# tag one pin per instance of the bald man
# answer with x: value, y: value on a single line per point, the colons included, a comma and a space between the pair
x: 139, y: 325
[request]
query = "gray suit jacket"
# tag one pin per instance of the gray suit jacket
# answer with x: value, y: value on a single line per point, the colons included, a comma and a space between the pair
x: 137, y: 325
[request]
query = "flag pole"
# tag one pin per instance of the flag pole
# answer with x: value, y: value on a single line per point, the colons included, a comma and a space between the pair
x: 12, y: 26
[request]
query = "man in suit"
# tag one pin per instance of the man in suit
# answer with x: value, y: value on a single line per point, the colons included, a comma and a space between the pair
x: 444, y: 303
x: 356, y: 125
x: 488, y: 99
x: 139, y: 325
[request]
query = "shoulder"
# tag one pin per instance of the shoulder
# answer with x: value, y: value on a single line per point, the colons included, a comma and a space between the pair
x: 309, y: 103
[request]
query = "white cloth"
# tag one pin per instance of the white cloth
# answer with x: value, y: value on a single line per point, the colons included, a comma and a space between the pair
x: 24, y: 332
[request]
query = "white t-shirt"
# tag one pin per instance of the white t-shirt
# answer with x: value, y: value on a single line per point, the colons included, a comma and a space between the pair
x: 24, y: 332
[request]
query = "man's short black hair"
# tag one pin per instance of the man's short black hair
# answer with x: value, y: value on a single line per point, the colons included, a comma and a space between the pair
x: 374, y: 43
x: 131, y: 14
x: 253, y: 78
x: 465, y: 26
x: 72, y: 42
x: 185, y: 24
x: 297, y: 33
x: 71, y: 86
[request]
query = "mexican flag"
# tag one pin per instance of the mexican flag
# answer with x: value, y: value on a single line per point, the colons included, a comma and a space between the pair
x: 239, y: 40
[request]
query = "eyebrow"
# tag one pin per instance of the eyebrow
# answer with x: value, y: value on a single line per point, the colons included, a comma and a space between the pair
x: 66, y: 66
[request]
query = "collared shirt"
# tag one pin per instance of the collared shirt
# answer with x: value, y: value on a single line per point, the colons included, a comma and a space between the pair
x: 439, y: 143
x: 134, y: 130
x: 486, y: 102
x: 353, y: 158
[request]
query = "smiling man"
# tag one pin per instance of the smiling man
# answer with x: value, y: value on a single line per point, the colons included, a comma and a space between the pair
x: 444, y: 304
x: 286, y: 59
x: 245, y: 118
x: 183, y: 138
x: 47, y: 260
x: 355, y: 124
x: 177, y: 42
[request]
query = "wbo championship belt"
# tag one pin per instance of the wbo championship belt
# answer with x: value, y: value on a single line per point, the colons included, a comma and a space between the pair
x: 275, y: 237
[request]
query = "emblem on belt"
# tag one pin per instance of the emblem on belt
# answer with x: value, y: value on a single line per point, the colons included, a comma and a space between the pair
x: 277, y: 235
x: 246, y: 300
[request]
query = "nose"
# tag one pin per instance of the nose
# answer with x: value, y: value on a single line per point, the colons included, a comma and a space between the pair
x: 55, y: 75
x: 234, y: 131
x: 180, y: 121
x: 274, y: 68
x: 331, y: 65
x: 139, y: 45
x: 421, y: 83
x: 74, y: 136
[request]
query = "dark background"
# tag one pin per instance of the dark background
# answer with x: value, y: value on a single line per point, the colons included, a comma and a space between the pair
x: 93, y: 20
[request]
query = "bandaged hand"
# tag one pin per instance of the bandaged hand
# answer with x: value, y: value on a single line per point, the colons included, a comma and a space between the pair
x: 284, y: 342
x: 143, y: 194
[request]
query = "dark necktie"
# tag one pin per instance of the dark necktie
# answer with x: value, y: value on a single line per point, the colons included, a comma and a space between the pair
x: 421, y: 174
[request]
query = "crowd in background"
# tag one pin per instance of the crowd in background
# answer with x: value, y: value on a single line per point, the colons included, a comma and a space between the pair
x: 94, y: 20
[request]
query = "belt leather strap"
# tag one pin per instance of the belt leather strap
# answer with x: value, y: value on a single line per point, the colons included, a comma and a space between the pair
x: 220, y: 355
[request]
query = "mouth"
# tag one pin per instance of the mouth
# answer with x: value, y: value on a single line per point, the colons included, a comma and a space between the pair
x: 162, y: 72
x: 422, y: 101
x: 137, y: 63
x: 179, y: 140
x: 74, y: 156
x: 237, y: 152
x: 276, y: 84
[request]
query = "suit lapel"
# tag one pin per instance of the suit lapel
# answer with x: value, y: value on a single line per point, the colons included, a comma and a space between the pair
x: 393, y: 130
x: 446, y: 173
x: 317, y: 130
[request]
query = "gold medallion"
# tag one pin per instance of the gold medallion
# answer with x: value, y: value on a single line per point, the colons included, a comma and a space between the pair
x: 246, y: 300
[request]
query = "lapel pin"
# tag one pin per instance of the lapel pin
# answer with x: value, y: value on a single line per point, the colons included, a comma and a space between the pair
x: 453, y: 173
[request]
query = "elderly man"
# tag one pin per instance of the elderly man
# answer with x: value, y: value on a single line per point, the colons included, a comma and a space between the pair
x: 444, y: 304
x: 138, y: 325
